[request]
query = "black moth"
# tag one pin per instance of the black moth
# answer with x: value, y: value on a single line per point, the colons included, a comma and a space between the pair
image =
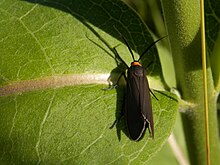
x: 137, y: 103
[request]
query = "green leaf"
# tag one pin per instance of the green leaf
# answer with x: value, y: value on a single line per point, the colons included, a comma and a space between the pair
x: 212, y: 17
x: 53, y: 110
x: 71, y: 124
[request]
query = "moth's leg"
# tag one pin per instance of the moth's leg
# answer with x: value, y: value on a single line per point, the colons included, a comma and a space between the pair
x: 114, y: 85
x: 123, y: 105
x: 153, y: 94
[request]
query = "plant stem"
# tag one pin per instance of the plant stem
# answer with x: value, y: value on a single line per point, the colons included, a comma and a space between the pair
x: 182, y: 19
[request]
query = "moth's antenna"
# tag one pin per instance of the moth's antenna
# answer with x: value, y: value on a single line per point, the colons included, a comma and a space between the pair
x: 151, y: 45
x: 129, y: 48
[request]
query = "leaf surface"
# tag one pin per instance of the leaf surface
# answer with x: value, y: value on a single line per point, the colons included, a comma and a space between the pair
x: 67, y: 120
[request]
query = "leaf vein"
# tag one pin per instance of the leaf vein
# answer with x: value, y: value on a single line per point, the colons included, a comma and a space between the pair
x: 42, y: 127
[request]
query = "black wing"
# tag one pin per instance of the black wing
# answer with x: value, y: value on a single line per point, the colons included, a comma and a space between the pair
x: 138, y: 109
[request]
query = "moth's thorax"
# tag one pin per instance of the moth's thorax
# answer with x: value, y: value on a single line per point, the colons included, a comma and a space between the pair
x: 137, y: 71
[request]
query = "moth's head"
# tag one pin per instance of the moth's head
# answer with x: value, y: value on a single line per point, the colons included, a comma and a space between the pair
x: 136, y: 63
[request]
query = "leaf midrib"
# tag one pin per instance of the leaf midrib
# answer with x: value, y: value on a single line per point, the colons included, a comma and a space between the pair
x: 52, y: 82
